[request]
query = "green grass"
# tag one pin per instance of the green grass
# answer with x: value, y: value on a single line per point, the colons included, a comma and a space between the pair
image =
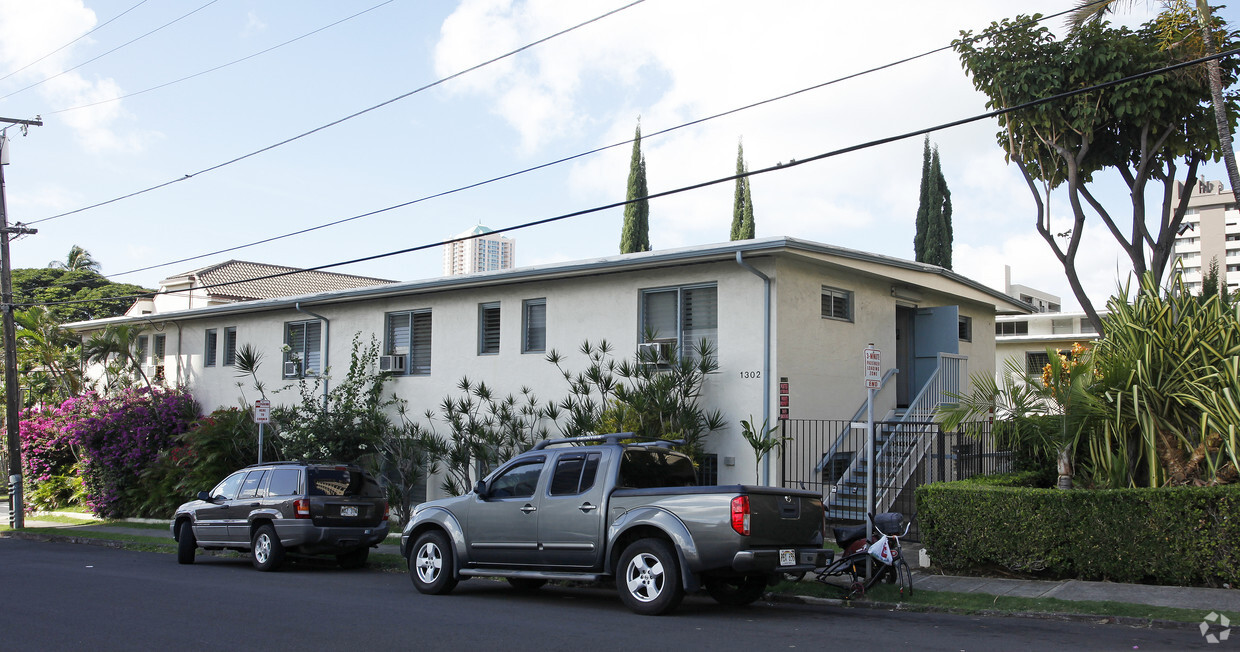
x: 161, y: 542
x: 982, y: 602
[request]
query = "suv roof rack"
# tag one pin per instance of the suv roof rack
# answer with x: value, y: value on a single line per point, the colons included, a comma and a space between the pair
x: 302, y: 463
x: 610, y: 438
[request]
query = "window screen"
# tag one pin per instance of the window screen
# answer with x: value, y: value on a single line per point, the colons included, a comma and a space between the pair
x: 488, y: 328
x: 534, y: 326
x: 208, y: 351
x: 230, y: 346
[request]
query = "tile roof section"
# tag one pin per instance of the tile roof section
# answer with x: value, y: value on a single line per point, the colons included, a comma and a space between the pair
x: 237, y: 273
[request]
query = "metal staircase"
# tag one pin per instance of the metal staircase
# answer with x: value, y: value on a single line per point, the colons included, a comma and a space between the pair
x: 900, y: 444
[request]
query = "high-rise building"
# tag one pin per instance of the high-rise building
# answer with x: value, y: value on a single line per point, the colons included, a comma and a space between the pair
x: 482, y: 251
x: 1210, y: 232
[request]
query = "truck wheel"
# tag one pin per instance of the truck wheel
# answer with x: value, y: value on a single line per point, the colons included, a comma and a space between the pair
x: 266, y: 551
x: 430, y: 564
x: 353, y: 558
x: 186, y: 544
x: 736, y: 591
x: 649, y: 579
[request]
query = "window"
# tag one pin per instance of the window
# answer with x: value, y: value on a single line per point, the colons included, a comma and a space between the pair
x: 283, y: 482
x: 836, y: 304
x: 650, y: 468
x: 1011, y: 328
x: 488, y: 328
x: 304, y: 339
x: 141, y: 348
x: 965, y: 327
x: 409, y: 334
x: 1035, y: 362
x: 574, y: 474
x: 252, y: 487
x: 534, y: 326
x: 685, y: 315
x: 519, y: 481
x: 160, y: 342
x: 208, y: 354
x: 228, y: 488
x: 708, y: 472
x: 230, y: 346
x: 1061, y: 326
x: 1087, y: 326
x: 341, y: 482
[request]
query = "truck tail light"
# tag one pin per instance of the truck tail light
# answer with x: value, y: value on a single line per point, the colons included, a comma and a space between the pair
x: 740, y: 515
x: 301, y: 508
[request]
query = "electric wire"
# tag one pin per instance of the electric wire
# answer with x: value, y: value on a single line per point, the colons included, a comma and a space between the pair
x: 92, y: 31
x: 348, y: 117
x: 221, y: 66
x: 565, y: 159
x: 697, y: 186
x: 96, y: 58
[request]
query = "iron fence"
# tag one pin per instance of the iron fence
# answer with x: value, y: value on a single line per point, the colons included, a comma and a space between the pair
x: 816, y: 455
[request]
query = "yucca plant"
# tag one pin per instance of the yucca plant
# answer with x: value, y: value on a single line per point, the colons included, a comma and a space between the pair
x: 1167, y: 363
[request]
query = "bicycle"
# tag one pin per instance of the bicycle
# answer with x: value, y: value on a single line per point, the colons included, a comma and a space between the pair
x: 888, y: 563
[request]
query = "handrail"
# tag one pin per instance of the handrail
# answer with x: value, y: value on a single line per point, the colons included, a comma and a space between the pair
x: 881, y: 385
x: 856, y: 416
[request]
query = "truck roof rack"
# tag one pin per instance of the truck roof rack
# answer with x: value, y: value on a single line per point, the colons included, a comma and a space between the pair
x: 610, y: 438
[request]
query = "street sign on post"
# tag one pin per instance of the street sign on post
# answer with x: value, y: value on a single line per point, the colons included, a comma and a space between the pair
x: 873, y: 367
x: 262, y: 415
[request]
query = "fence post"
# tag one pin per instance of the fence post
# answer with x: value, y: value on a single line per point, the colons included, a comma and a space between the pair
x: 942, y: 454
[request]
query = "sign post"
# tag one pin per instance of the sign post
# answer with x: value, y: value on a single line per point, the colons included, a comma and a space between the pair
x: 873, y: 364
x: 262, y: 415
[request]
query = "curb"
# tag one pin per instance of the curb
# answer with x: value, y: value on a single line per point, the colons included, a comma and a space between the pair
x: 1126, y: 621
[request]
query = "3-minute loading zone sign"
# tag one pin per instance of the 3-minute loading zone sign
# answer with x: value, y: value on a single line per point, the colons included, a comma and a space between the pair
x: 873, y: 365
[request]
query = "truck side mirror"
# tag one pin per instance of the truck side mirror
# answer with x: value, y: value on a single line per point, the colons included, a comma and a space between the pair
x: 480, y: 488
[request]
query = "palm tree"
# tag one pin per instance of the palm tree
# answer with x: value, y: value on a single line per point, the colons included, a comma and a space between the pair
x: 116, y: 344
x: 78, y: 259
x: 49, y: 350
x: 1092, y: 10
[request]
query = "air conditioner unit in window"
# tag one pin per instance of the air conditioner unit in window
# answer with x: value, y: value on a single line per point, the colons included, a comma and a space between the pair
x: 392, y: 363
x: 657, y: 352
x: 290, y: 368
x: 148, y: 370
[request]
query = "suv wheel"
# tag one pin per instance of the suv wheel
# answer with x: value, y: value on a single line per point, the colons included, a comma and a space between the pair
x: 186, y: 543
x: 430, y: 564
x: 266, y: 550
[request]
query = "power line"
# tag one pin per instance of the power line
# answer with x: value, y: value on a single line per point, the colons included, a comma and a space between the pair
x: 346, y: 118
x: 565, y: 159
x: 92, y: 31
x: 697, y: 186
x: 93, y: 59
x: 221, y: 66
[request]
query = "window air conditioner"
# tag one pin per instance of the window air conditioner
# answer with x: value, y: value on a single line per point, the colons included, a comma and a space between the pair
x: 392, y: 363
x: 290, y: 368
x: 658, y: 352
x: 148, y: 370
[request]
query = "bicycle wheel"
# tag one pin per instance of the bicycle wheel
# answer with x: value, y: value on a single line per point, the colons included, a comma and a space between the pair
x: 904, y: 576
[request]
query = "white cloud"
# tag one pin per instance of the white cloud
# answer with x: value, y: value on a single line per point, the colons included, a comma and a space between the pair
x: 31, y: 30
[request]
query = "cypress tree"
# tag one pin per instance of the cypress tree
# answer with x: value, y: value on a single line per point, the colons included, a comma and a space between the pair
x: 742, y: 201
x: 932, y: 242
x: 635, y: 233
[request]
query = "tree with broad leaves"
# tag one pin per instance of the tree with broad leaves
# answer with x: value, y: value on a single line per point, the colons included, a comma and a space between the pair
x: 1141, y: 129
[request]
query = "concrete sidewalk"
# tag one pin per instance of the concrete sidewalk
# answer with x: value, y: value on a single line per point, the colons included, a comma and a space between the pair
x: 1162, y: 596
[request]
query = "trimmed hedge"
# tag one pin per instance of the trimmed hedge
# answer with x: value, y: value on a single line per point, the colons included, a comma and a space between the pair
x: 1186, y: 536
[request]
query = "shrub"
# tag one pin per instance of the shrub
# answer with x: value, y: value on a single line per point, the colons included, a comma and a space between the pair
x: 1171, y: 535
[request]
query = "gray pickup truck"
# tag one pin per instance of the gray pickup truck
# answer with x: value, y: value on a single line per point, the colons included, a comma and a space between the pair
x: 595, y: 508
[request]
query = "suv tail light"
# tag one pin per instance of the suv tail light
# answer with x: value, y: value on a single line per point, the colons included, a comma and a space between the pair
x: 740, y: 515
x: 387, y: 510
x: 301, y: 508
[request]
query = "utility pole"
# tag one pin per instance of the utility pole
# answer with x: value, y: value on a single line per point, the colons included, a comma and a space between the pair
x: 17, y: 516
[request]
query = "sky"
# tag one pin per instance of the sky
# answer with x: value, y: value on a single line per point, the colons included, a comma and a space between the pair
x: 663, y: 62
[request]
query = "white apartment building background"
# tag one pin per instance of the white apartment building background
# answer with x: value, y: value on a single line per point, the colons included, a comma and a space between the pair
x: 1210, y: 231
x: 482, y: 250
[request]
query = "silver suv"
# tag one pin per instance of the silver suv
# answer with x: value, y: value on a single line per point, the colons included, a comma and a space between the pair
x: 271, y: 509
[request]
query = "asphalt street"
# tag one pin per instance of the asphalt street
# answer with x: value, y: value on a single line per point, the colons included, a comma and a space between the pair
x: 72, y: 597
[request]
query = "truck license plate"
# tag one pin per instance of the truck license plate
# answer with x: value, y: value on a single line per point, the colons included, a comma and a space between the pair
x: 787, y: 557
x: 348, y: 510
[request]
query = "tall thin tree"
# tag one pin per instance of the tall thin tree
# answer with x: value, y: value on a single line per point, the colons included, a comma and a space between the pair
x: 742, y: 201
x: 635, y: 233
x: 932, y: 242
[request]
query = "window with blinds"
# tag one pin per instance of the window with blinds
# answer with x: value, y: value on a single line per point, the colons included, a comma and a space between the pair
x: 534, y: 326
x: 208, y: 350
x: 684, y: 315
x: 230, y: 346
x: 304, y: 339
x: 488, y: 328
x: 836, y: 303
x: 409, y: 334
